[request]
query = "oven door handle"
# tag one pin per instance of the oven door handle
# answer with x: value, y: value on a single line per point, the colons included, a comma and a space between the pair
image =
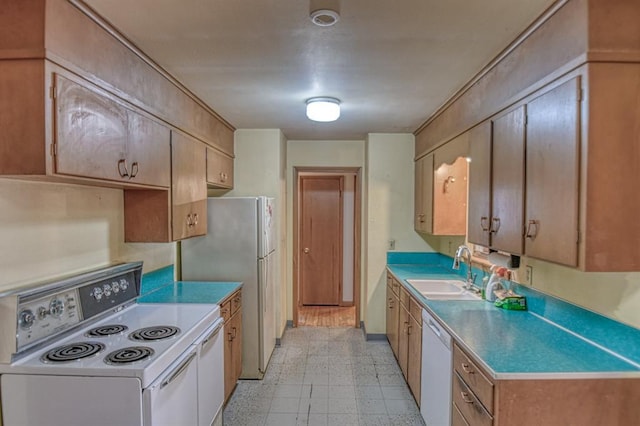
x: 179, y: 370
x: 215, y: 331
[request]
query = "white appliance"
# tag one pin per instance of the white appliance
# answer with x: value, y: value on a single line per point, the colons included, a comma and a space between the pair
x: 86, y: 353
x: 241, y: 246
x: 435, y: 393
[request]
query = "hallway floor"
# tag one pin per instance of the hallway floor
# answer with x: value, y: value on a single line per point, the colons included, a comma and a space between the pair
x: 327, y: 316
x: 326, y: 376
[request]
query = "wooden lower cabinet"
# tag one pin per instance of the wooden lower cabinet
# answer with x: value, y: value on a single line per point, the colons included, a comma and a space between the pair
x: 479, y: 400
x: 393, y: 315
x: 410, y: 342
x: 231, y: 311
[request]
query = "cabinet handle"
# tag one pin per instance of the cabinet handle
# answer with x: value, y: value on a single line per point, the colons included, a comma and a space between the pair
x: 467, y: 369
x: 221, y: 177
x: 134, y: 170
x: 421, y: 218
x: 466, y: 398
x: 122, y: 168
x: 195, y: 219
x: 390, y: 303
x: 234, y: 332
x: 530, y: 225
x: 494, y: 229
x: 230, y: 336
x: 484, y: 223
x: 189, y: 220
x: 409, y: 329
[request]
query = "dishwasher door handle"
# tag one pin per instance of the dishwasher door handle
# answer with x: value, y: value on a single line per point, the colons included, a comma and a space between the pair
x: 435, y: 328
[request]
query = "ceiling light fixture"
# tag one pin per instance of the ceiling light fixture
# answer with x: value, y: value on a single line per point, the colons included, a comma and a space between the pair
x: 323, y: 109
x: 324, y: 17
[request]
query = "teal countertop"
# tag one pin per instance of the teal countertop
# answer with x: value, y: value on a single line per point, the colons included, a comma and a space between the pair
x: 159, y: 287
x: 552, y: 339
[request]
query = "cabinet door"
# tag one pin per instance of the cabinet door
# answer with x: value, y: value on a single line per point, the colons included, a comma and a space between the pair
x: 229, y: 370
x: 553, y: 129
x: 479, y: 215
x: 414, y: 368
x: 188, y: 187
x: 219, y: 169
x: 403, y: 339
x: 507, y: 196
x: 91, y: 132
x: 237, y: 345
x: 450, y: 198
x: 423, y: 195
x: 393, y: 311
x: 148, y: 151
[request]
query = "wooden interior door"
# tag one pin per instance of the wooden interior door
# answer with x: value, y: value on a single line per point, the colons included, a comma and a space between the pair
x: 321, y: 239
x: 507, y: 204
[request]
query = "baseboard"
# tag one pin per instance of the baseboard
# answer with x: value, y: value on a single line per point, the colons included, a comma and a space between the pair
x: 371, y: 336
x: 289, y: 323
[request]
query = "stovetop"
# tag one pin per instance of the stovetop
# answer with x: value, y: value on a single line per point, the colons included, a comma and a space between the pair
x: 184, y: 323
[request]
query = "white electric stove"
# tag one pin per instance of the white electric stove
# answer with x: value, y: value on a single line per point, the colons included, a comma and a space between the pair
x: 85, y: 353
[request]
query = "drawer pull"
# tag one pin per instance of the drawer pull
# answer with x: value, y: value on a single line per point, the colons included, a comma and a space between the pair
x: 467, y: 369
x: 466, y: 398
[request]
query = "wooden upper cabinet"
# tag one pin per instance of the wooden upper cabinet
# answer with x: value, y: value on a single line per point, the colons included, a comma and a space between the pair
x: 479, y: 204
x: 188, y: 187
x: 97, y: 137
x: 507, y: 182
x: 441, y: 190
x: 552, y: 194
x: 219, y: 169
x: 423, y: 199
x: 450, y: 198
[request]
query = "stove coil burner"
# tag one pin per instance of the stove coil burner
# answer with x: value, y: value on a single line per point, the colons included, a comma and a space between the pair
x: 106, y: 330
x: 72, y: 352
x: 128, y: 355
x: 154, y: 333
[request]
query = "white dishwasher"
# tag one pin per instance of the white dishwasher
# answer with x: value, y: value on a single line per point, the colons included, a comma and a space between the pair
x: 435, y: 399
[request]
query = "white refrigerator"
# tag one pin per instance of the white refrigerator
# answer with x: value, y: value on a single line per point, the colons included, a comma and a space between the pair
x: 240, y: 245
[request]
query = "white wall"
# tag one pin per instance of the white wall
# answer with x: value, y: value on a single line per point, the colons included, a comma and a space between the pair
x: 390, y: 193
x: 50, y: 229
x: 260, y: 161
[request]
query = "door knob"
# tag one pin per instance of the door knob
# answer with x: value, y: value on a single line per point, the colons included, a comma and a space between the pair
x: 306, y: 250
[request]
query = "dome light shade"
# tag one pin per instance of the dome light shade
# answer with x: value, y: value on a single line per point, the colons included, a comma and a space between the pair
x: 323, y: 109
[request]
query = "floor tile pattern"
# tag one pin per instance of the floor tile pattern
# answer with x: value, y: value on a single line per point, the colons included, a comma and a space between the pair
x: 326, y: 376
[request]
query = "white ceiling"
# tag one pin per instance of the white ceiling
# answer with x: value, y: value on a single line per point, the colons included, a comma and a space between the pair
x: 255, y: 62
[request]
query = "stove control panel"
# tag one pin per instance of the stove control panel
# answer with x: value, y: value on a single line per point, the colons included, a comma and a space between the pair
x: 46, y: 316
x: 108, y: 293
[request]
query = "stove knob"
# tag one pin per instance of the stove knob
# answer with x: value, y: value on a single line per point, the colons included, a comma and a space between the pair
x: 42, y: 312
x: 115, y: 287
x: 26, y: 319
x: 107, y: 290
x: 124, y: 284
x: 97, y: 293
x: 56, y: 308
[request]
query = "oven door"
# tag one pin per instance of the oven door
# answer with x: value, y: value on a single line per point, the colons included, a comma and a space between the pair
x: 172, y: 399
x: 210, y: 348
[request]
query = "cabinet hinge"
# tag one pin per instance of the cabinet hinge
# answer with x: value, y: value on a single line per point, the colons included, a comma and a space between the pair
x: 54, y: 149
x: 580, y: 94
x: 52, y: 92
x: 579, y: 239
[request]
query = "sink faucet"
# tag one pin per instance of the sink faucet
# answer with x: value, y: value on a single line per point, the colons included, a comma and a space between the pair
x: 456, y: 264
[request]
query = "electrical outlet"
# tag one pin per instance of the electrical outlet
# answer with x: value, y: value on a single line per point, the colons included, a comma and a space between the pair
x: 528, y: 275
x: 392, y: 244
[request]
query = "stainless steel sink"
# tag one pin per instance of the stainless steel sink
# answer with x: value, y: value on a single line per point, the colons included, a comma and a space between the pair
x: 443, y: 289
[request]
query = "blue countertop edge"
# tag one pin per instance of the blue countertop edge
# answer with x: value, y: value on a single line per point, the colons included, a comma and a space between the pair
x: 566, y: 330
x: 159, y: 287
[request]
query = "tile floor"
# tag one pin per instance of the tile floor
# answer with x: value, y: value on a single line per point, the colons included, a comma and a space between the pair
x: 326, y: 376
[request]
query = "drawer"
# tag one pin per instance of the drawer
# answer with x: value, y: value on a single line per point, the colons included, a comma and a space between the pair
x: 225, y: 310
x: 395, y: 286
x: 236, y: 302
x: 404, y: 297
x: 415, y: 310
x: 473, y: 377
x: 457, y: 419
x: 468, y: 404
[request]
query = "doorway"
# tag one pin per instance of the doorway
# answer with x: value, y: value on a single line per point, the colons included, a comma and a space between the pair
x: 326, y: 237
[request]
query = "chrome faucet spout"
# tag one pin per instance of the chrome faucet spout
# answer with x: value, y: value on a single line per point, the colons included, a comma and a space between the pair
x: 466, y: 252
